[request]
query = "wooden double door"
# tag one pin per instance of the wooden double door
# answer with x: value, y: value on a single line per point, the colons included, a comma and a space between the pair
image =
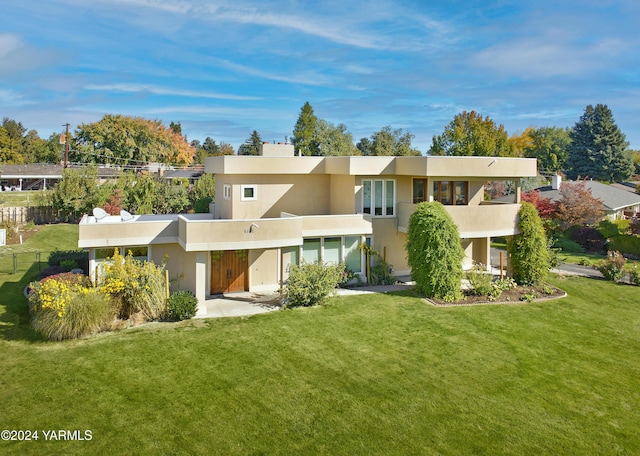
x: 229, y: 271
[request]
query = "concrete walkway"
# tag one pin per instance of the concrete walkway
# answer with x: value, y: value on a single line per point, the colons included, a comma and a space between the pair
x: 250, y: 303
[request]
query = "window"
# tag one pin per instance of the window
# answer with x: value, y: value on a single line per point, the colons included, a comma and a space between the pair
x: 227, y: 191
x: 352, y: 253
x: 451, y: 193
x: 311, y: 250
x: 333, y: 250
x: 249, y: 192
x: 379, y: 196
x: 419, y: 190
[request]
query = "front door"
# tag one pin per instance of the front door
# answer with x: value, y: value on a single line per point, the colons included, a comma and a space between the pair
x: 229, y: 271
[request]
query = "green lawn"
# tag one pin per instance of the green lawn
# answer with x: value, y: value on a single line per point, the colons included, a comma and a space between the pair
x: 18, y: 199
x: 383, y: 374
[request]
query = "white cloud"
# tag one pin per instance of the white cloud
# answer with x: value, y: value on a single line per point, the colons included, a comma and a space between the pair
x: 144, y: 88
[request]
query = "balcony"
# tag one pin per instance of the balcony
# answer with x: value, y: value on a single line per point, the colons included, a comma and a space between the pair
x: 484, y: 220
x: 197, y: 234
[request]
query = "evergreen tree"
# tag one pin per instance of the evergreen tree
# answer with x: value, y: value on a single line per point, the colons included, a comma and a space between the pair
x: 528, y: 253
x: 434, y: 251
x: 599, y: 149
x: 252, y: 145
x: 305, y: 132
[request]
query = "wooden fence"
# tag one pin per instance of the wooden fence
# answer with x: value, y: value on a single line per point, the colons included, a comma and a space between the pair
x: 36, y: 214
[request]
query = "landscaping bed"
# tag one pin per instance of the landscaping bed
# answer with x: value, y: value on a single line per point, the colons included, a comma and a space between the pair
x: 517, y: 295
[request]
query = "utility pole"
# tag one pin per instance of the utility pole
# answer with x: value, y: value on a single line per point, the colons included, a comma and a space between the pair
x: 66, y: 146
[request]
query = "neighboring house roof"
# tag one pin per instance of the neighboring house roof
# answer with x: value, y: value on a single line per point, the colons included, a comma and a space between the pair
x: 42, y: 170
x: 628, y: 186
x: 180, y: 173
x: 613, y: 198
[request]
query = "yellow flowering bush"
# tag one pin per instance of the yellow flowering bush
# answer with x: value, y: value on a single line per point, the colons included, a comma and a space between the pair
x: 66, y: 306
x: 135, y: 286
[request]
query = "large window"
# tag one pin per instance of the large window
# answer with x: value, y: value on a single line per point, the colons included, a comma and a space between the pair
x: 451, y: 192
x: 343, y: 249
x: 378, y: 197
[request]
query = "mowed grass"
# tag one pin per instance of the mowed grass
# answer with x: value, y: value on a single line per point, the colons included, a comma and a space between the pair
x: 368, y: 374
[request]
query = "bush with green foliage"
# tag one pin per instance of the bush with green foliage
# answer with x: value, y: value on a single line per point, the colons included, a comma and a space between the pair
x: 311, y: 283
x: 613, y: 267
x: 480, y: 280
x: 629, y: 244
x: 182, y: 305
x: 79, y: 257
x: 527, y: 250
x: 136, y: 286
x: 566, y: 245
x: 607, y: 228
x: 201, y: 206
x: 634, y: 274
x: 434, y: 252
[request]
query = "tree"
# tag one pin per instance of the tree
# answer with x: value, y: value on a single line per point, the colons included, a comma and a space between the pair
x: 210, y: 147
x: 204, y: 187
x: 130, y: 140
x: 545, y: 207
x: 471, y: 134
x: 78, y: 191
x: 9, y: 149
x: 550, y: 145
x: 521, y: 141
x: 226, y: 149
x: 388, y: 141
x: 364, y: 146
x: 598, y: 148
x: 527, y: 250
x: 334, y: 140
x: 252, y: 145
x: 434, y: 252
x: 304, y: 133
x: 38, y: 150
x: 577, y: 206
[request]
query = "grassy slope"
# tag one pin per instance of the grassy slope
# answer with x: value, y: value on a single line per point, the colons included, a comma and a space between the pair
x: 386, y: 374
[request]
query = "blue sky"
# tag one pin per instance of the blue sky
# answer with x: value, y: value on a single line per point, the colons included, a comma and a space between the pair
x: 226, y: 68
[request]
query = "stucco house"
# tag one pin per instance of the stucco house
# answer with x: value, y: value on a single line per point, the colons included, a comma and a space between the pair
x: 276, y: 209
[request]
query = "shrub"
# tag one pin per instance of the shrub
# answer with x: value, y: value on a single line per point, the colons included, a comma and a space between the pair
x: 608, y: 229
x: 182, y: 305
x: 528, y: 254
x: 567, y: 245
x: 480, y: 280
x: 627, y: 244
x: 634, y: 227
x: 634, y: 274
x: 590, y: 238
x: 80, y: 257
x: 136, y: 286
x: 68, y: 265
x: 65, y: 306
x: 201, y: 206
x: 310, y: 283
x: 613, y: 267
x: 86, y: 311
x: 434, y: 252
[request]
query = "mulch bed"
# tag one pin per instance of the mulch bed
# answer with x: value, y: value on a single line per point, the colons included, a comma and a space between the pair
x: 518, y: 295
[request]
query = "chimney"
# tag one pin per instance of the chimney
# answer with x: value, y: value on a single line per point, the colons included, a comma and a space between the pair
x: 556, y: 181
